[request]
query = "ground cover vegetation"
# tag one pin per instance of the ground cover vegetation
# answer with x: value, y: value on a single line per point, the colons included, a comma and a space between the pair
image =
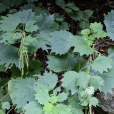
x: 50, y: 60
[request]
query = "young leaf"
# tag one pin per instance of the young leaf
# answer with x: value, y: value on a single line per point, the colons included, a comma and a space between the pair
x: 101, y: 64
x: 108, y: 81
x: 48, y: 81
x: 42, y: 96
x: 59, y: 63
x: 53, y: 99
x: 69, y: 81
x: 21, y: 91
x: 83, y: 80
x: 33, y: 108
x: 48, y: 107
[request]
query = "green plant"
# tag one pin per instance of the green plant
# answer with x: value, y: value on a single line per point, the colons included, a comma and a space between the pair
x: 23, y: 33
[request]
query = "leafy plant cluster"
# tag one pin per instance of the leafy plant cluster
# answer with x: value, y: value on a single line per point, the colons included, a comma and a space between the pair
x: 24, y: 32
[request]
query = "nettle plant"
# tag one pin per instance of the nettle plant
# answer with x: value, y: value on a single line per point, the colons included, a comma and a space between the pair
x: 22, y: 34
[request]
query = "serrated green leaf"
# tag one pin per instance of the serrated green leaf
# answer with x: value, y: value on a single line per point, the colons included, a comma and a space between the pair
x: 68, y: 10
x: 48, y: 81
x: 109, y: 23
x: 29, y: 40
x: 60, y: 3
x: 9, y: 23
x: 6, y: 37
x: 33, y: 68
x: 28, y: 6
x: 69, y: 81
x: 94, y: 101
x: 111, y: 50
x: 76, y: 15
x: 62, y: 41
x: 33, y: 108
x: 25, y: 16
x: 48, y: 107
x: 96, y: 82
x: 30, y: 27
x: 84, y: 103
x: 53, y: 99
x: 42, y: 96
x: 21, y: 91
x: 9, y: 56
x: 3, y: 7
x: 101, y: 64
x: 62, y: 96
x: 6, y: 105
x: 64, y: 26
x: 61, y: 109
x: 90, y: 90
x: 85, y: 32
x: 13, y: 2
x: 46, y: 23
x: 82, y: 46
x: 88, y: 13
x: 96, y: 26
x: 75, y: 107
x: 83, y: 80
x: 59, y: 63
x: 108, y: 81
